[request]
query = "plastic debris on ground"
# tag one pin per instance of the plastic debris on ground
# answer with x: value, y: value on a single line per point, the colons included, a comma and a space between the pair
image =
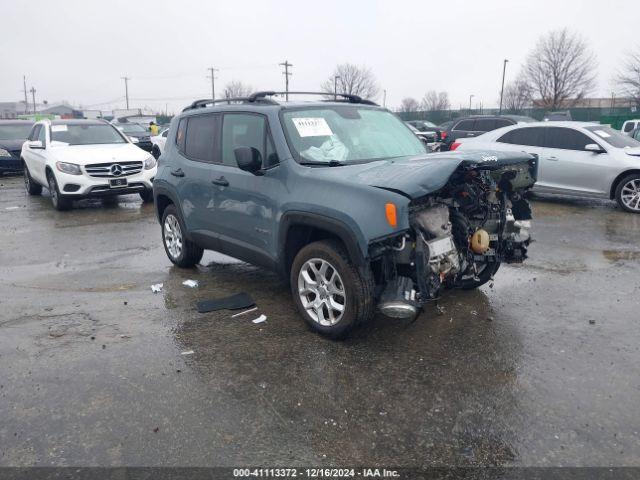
x: 245, y: 312
x: 188, y: 352
x: 234, y: 302
x: 260, y: 319
x: 190, y: 283
x: 157, y: 288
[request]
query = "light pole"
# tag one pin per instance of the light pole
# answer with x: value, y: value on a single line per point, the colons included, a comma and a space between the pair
x: 470, y: 97
x: 504, y: 70
x: 335, y: 87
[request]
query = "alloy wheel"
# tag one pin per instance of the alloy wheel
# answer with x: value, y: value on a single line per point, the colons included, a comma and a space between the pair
x: 322, y: 291
x: 53, y: 190
x: 27, y: 180
x: 173, y: 236
x: 630, y: 194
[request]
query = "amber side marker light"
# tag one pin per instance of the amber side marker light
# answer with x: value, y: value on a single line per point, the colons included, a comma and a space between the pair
x: 392, y: 217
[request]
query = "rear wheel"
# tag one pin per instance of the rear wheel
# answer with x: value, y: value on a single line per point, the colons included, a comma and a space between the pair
x: 331, y: 293
x: 59, y: 202
x: 180, y: 250
x: 30, y: 185
x: 628, y: 193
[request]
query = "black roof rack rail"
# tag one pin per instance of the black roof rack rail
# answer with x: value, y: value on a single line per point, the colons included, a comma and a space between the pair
x: 208, y: 101
x: 347, y: 96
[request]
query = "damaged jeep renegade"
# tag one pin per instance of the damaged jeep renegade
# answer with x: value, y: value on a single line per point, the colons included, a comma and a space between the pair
x: 341, y: 199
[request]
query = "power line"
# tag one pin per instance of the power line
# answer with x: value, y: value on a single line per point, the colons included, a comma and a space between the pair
x: 213, y: 84
x: 286, y: 74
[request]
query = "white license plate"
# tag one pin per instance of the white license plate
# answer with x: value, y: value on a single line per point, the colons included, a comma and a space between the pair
x: 118, y: 183
x: 440, y: 246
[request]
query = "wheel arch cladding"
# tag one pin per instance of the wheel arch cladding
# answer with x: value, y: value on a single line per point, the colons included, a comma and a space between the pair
x: 616, y: 182
x: 162, y: 202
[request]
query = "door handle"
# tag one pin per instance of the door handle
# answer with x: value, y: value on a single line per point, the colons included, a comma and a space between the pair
x: 177, y: 173
x: 221, y: 181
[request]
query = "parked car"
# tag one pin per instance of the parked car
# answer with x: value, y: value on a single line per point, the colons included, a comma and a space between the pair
x: 576, y: 158
x: 13, y: 134
x: 137, y: 133
x: 477, y: 125
x: 427, y: 128
x: 340, y: 199
x: 158, y: 142
x: 636, y: 134
x: 629, y: 126
x: 84, y: 158
x: 428, y: 138
x: 563, y: 116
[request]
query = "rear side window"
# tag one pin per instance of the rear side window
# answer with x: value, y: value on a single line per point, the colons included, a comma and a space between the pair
x: 200, y: 140
x: 181, y: 134
x: 465, y: 126
x: 35, y: 132
x: 243, y: 130
x: 566, y: 139
x: 485, y: 124
x: 532, y: 137
x: 501, y: 122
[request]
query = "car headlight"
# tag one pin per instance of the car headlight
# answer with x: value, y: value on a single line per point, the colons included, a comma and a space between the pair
x: 4, y: 153
x: 149, y: 163
x: 70, y: 168
x: 134, y: 139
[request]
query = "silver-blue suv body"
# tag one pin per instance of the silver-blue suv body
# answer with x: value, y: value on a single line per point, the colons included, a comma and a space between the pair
x: 342, y: 200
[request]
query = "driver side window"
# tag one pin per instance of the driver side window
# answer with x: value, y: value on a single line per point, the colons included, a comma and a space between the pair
x: 42, y: 135
x: 246, y: 130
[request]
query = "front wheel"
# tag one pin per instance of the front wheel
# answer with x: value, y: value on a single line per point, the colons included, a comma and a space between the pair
x: 58, y: 201
x: 180, y: 250
x: 628, y: 193
x: 30, y: 185
x: 331, y: 293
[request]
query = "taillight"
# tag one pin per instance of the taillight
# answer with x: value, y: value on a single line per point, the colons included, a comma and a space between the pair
x: 443, y: 135
x: 455, y: 145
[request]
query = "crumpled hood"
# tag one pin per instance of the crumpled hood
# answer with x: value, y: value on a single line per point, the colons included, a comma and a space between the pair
x: 88, y: 154
x: 420, y: 175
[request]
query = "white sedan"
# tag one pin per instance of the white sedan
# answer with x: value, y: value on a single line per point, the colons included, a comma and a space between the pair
x: 84, y: 158
x: 576, y: 158
x: 158, y: 142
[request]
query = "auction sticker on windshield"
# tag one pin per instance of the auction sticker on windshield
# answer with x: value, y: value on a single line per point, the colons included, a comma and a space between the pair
x: 58, y: 128
x: 312, y: 127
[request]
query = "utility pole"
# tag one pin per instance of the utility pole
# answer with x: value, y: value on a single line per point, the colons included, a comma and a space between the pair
x: 33, y: 96
x: 26, y: 101
x: 384, y: 97
x: 470, y: 97
x: 213, y: 84
x: 126, y: 89
x: 504, y: 70
x: 286, y: 74
x: 335, y: 87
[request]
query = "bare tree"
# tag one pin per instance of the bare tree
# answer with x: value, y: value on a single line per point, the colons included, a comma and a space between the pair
x: 434, y: 101
x: 560, y: 69
x: 517, y: 95
x: 354, y: 80
x: 629, y: 78
x: 409, y: 104
x: 236, y: 89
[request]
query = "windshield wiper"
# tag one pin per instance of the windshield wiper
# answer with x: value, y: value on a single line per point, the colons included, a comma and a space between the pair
x: 330, y: 163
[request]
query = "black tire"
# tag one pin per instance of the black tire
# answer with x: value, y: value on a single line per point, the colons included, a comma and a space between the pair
x: 483, y: 277
x: 631, y: 181
x: 358, y: 287
x: 30, y: 184
x: 147, y: 195
x: 155, y: 151
x: 59, y: 202
x: 190, y: 253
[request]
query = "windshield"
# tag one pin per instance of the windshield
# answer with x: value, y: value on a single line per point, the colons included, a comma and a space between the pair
x: 348, y: 134
x: 87, y: 134
x: 613, y: 137
x: 15, y: 131
x: 131, y: 128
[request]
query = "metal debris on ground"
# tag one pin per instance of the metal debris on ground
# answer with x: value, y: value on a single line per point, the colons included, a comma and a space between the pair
x: 188, y: 352
x: 157, y: 287
x: 246, y: 311
x: 260, y: 319
x: 234, y: 302
x: 190, y: 283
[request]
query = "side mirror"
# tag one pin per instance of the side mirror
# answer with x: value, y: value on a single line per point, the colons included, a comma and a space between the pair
x: 594, y: 147
x: 35, y: 144
x: 248, y: 159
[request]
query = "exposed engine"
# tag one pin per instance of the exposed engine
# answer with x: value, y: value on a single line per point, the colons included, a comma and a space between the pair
x: 459, y: 235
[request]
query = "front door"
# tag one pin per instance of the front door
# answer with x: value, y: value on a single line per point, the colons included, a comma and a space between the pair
x: 34, y: 156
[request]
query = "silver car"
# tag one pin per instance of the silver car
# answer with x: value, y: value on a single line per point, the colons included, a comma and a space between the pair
x: 576, y: 158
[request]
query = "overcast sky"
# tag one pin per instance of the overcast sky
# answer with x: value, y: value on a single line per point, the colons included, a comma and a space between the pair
x: 79, y: 50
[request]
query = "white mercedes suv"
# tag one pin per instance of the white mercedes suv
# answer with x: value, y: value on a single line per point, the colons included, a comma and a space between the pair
x: 84, y: 158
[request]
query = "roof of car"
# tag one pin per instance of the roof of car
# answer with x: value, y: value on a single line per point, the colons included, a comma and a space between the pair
x: 77, y: 121
x: 262, y: 106
x: 563, y: 123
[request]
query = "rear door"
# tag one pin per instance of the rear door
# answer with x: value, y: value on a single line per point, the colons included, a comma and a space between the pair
x: 197, y: 142
x: 567, y: 167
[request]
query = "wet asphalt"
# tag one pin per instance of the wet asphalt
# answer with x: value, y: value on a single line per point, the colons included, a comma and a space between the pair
x: 540, y: 368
